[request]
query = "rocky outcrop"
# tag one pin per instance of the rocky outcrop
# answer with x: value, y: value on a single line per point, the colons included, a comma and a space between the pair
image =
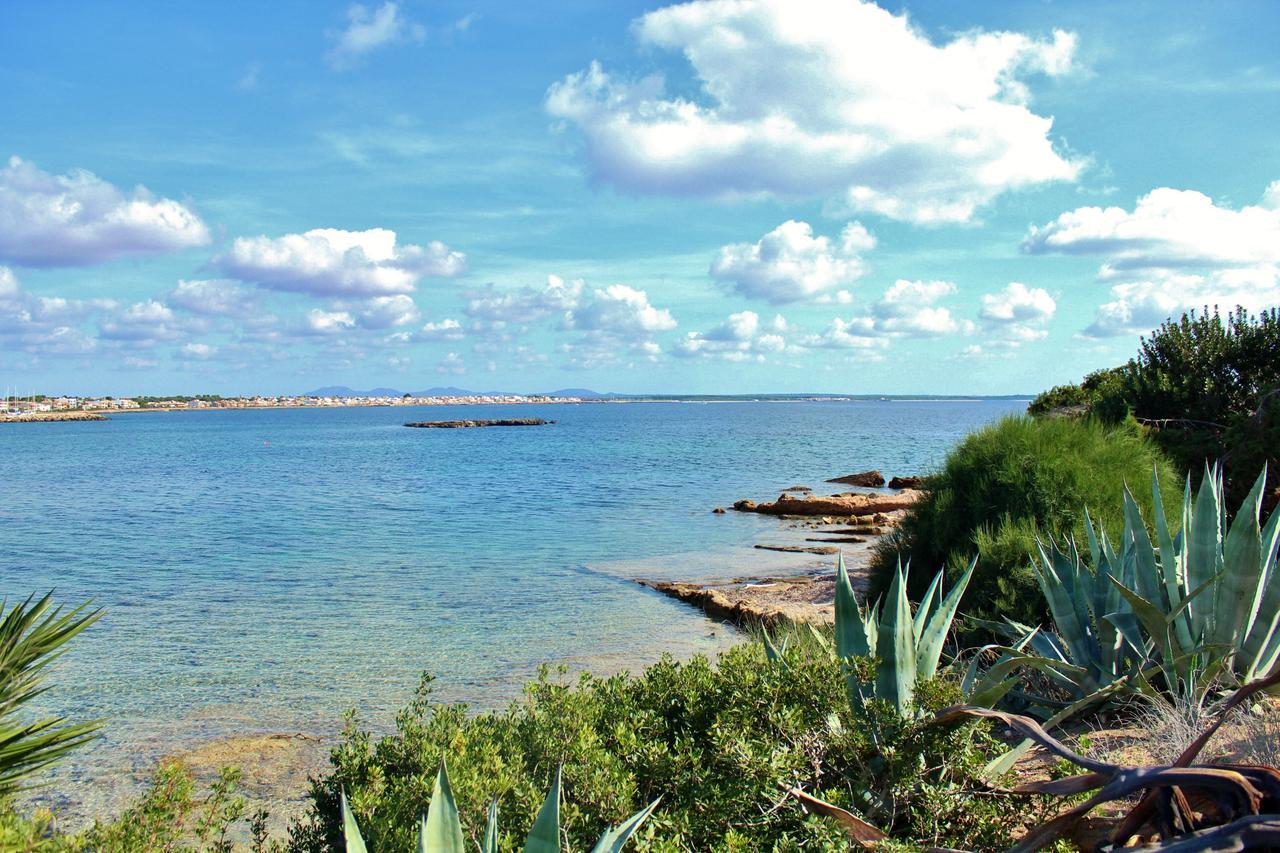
x: 867, y: 479
x: 798, y: 489
x: 760, y: 601
x: 466, y: 424
x: 907, y: 482
x: 835, y: 505
x: 800, y: 549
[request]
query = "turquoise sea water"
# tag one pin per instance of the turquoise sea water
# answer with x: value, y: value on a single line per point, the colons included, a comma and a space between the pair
x: 263, y: 571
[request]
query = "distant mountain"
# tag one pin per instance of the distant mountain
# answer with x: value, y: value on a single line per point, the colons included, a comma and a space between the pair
x: 344, y: 391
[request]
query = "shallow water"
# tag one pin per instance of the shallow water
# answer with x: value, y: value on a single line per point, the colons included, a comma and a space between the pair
x: 263, y: 571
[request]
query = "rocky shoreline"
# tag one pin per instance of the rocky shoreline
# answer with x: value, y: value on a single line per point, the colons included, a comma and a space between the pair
x: 50, y: 417
x: 837, y: 523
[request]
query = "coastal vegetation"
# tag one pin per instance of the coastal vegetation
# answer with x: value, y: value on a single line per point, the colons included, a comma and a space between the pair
x: 1207, y: 386
x: 1001, y: 488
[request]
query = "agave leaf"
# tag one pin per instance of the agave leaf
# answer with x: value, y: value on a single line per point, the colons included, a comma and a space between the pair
x: 1171, y: 568
x: 351, y: 829
x: 441, y: 831
x: 1147, y: 581
x: 544, y: 837
x: 616, y: 838
x: 934, y: 634
x: 773, y: 653
x: 1236, y: 604
x: 851, y: 631
x: 1266, y: 625
x: 1151, y: 619
x: 925, y: 606
x: 896, y: 649
x: 490, y: 844
x: 1204, y: 545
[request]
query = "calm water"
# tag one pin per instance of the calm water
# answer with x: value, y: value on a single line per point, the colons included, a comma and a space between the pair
x: 265, y: 570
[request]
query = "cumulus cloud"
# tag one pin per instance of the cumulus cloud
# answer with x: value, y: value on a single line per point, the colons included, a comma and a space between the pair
x: 141, y: 324
x: 619, y: 310
x: 790, y: 264
x: 79, y: 219
x: 848, y: 334
x: 319, y: 322
x: 368, y: 30
x: 444, y: 330
x: 1176, y: 250
x: 909, y: 309
x: 1018, y: 313
x: 741, y: 337
x: 212, y: 298
x: 824, y: 98
x: 333, y: 262
x: 385, y: 312
x: 525, y: 305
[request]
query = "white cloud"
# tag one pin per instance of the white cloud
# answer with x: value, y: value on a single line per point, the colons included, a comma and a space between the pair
x: 1018, y: 313
x: 212, y: 298
x: 821, y: 98
x: 333, y: 262
x: 741, y: 337
x: 526, y: 305
x: 451, y: 363
x: 141, y: 324
x: 385, y: 312
x: 619, y: 310
x: 1175, y: 251
x: 790, y: 264
x: 368, y: 30
x: 908, y: 309
x: 848, y: 334
x: 328, y: 322
x: 79, y: 219
x: 197, y: 352
x: 444, y: 330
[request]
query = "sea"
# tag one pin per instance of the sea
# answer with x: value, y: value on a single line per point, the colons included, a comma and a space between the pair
x: 265, y: 571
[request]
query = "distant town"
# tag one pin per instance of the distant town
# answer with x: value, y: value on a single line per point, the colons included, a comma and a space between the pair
x: 44, y: 408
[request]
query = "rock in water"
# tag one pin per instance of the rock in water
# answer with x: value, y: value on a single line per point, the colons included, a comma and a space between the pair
x: 464, y: 424
x: 867, y: 479
x: 906, y: 482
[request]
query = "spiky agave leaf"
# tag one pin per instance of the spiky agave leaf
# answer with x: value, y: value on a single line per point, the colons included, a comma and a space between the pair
x: 615, y: 838
x: 930, y: 640
x: 490, y: 844
x: 441, y: 830
x: 896, y: 648
x: 544, y: 836
x: 350, y: 829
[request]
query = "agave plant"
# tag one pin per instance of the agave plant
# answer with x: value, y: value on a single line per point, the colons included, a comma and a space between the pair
x: 440, y: 830
x: 32, y: 636
x: 1197, y: 606
x: 906, y: 647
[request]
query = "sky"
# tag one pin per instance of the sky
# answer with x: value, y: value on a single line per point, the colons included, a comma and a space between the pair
x: 722, y: 196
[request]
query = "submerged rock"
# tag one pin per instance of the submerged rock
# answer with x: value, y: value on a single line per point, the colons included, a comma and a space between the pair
x: 867, y: 479
x: 800, y: 549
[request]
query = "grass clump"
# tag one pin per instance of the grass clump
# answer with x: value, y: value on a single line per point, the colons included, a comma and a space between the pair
x: 1004, y: 485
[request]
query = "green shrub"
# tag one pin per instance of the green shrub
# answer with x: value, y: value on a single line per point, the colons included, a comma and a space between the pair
x: 1003, y: 485
x: 720, y: 744
x: 1210, y: 387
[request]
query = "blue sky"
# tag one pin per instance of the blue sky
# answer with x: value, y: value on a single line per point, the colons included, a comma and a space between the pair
x: 813, y: 195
